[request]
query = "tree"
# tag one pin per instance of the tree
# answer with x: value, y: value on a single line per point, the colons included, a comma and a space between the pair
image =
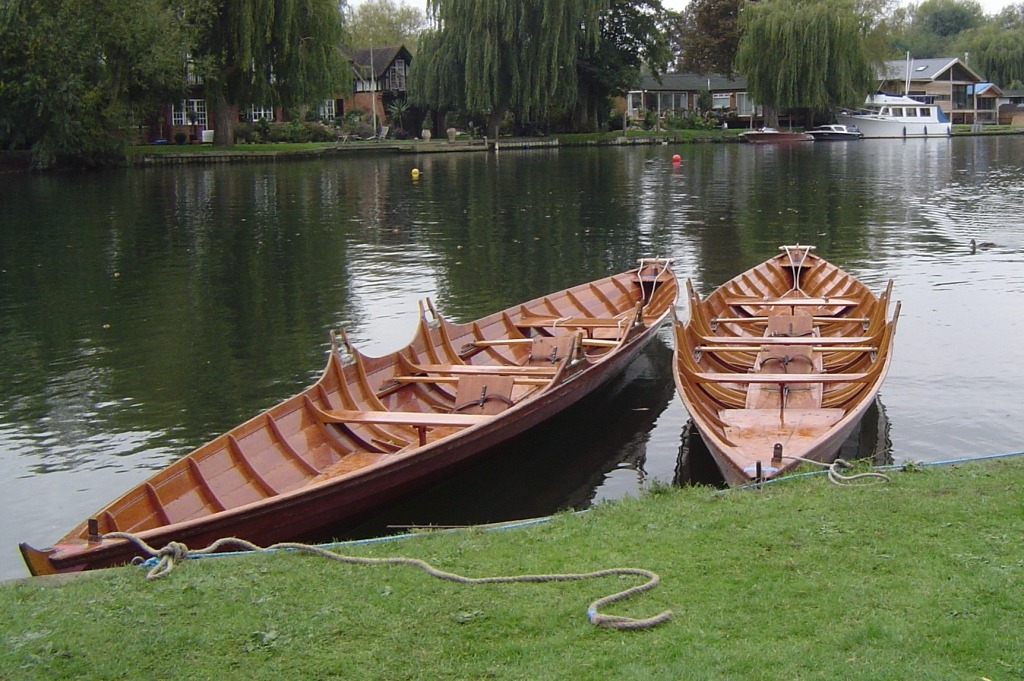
x: 518, y: 56
x: 936, y: 24
x: 74, y: 72
x: 375, y: 23
x: 1011, y: 16
x: 997, y: 53
x: 818, y: 57
x: 632, y: 36
x: 266, y: 52
x: 708, y: 35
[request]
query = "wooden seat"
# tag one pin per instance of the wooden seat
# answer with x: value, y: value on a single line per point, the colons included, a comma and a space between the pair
x: 529, y: 321
x: 786, y: 340
x: 419, y: 420
x: 704, y: 377
x: 483, y: 395
x: 796, y: 302
x: 485, y: 369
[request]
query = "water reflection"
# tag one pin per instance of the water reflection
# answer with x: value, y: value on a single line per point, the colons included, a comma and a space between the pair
x: 143, y: 312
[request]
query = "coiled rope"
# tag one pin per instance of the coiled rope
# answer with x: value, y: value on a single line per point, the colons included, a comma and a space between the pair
x: 173, y: 553
x: 837, y: 478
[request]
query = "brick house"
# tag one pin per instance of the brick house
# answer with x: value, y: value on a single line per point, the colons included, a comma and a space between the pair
x: 379, y: 77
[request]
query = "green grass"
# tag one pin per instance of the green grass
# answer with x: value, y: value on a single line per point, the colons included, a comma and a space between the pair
x: 920, y: 578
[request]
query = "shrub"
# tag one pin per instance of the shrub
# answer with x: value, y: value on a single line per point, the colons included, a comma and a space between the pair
x: 244, y: 133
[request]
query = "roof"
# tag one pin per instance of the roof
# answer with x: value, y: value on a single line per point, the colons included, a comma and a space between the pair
x: 694, y: 82
x: 380, y: 57
x: 986, y: 89
x: 922, y: 69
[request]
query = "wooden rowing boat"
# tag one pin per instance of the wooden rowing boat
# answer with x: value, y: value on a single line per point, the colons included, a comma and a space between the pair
x: 372, y: 428
x: 780, y: 363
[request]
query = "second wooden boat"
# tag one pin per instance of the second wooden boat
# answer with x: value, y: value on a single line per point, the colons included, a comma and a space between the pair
x: 373, y: 428
x: 780, y: 363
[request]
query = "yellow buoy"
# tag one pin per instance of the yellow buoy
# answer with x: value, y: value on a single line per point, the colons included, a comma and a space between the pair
x: 415, y: 173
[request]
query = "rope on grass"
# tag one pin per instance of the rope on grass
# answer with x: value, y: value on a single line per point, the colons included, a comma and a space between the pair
x: 837, y: 478
x: 170, y: 555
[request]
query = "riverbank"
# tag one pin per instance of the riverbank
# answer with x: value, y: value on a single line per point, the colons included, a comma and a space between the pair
x: 263, y: 153
x: 916, y: 578
x: 205, y: 153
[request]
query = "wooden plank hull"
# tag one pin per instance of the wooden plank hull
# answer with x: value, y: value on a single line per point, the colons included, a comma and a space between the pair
x: 779, y: 364
x: 373, y: 428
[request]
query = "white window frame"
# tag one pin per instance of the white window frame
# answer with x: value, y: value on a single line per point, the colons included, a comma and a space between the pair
x: 179, y: 112
x: 258, y: 112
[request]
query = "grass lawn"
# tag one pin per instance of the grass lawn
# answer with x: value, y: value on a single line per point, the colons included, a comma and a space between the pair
x: 918, y: 578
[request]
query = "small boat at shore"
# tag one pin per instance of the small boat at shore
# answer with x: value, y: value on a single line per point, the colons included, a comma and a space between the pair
x: 772, y: 136
x: 780, y: 363
x: 373, y: 428
x: 835, y: 133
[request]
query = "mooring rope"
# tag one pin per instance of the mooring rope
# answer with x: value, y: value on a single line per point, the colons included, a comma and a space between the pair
x: 837, y: 478
x: 174, y: 552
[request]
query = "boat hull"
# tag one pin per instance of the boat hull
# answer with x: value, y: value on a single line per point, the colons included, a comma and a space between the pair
x: 780, y: 364
x: 878, y: 127
x: 769, y: 137
x: 360, y: 401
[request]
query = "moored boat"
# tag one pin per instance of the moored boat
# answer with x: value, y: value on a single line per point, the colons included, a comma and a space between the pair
x: 886, y: 115
x: 769, y: 135
x: 835, y: 133
x: 780, y: 363
x: 373, y: 428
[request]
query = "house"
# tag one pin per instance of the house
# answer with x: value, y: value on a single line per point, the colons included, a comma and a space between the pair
x: 678, y: 92
x: 380, y: 77
x: 1010, y: 107
x: 986, y: 102
x: 945, y: 81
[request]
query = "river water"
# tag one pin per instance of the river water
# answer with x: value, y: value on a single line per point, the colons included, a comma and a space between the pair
x: 143, y: 312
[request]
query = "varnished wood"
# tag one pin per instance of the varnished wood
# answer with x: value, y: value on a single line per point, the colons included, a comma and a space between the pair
x: 372, y: 428
x: 791, y: 352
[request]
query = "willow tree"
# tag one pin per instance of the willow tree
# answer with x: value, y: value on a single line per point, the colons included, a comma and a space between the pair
x: 514, y: 55
x: 997, y: 53
x: 803, y: 54
x: 266, y: 53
